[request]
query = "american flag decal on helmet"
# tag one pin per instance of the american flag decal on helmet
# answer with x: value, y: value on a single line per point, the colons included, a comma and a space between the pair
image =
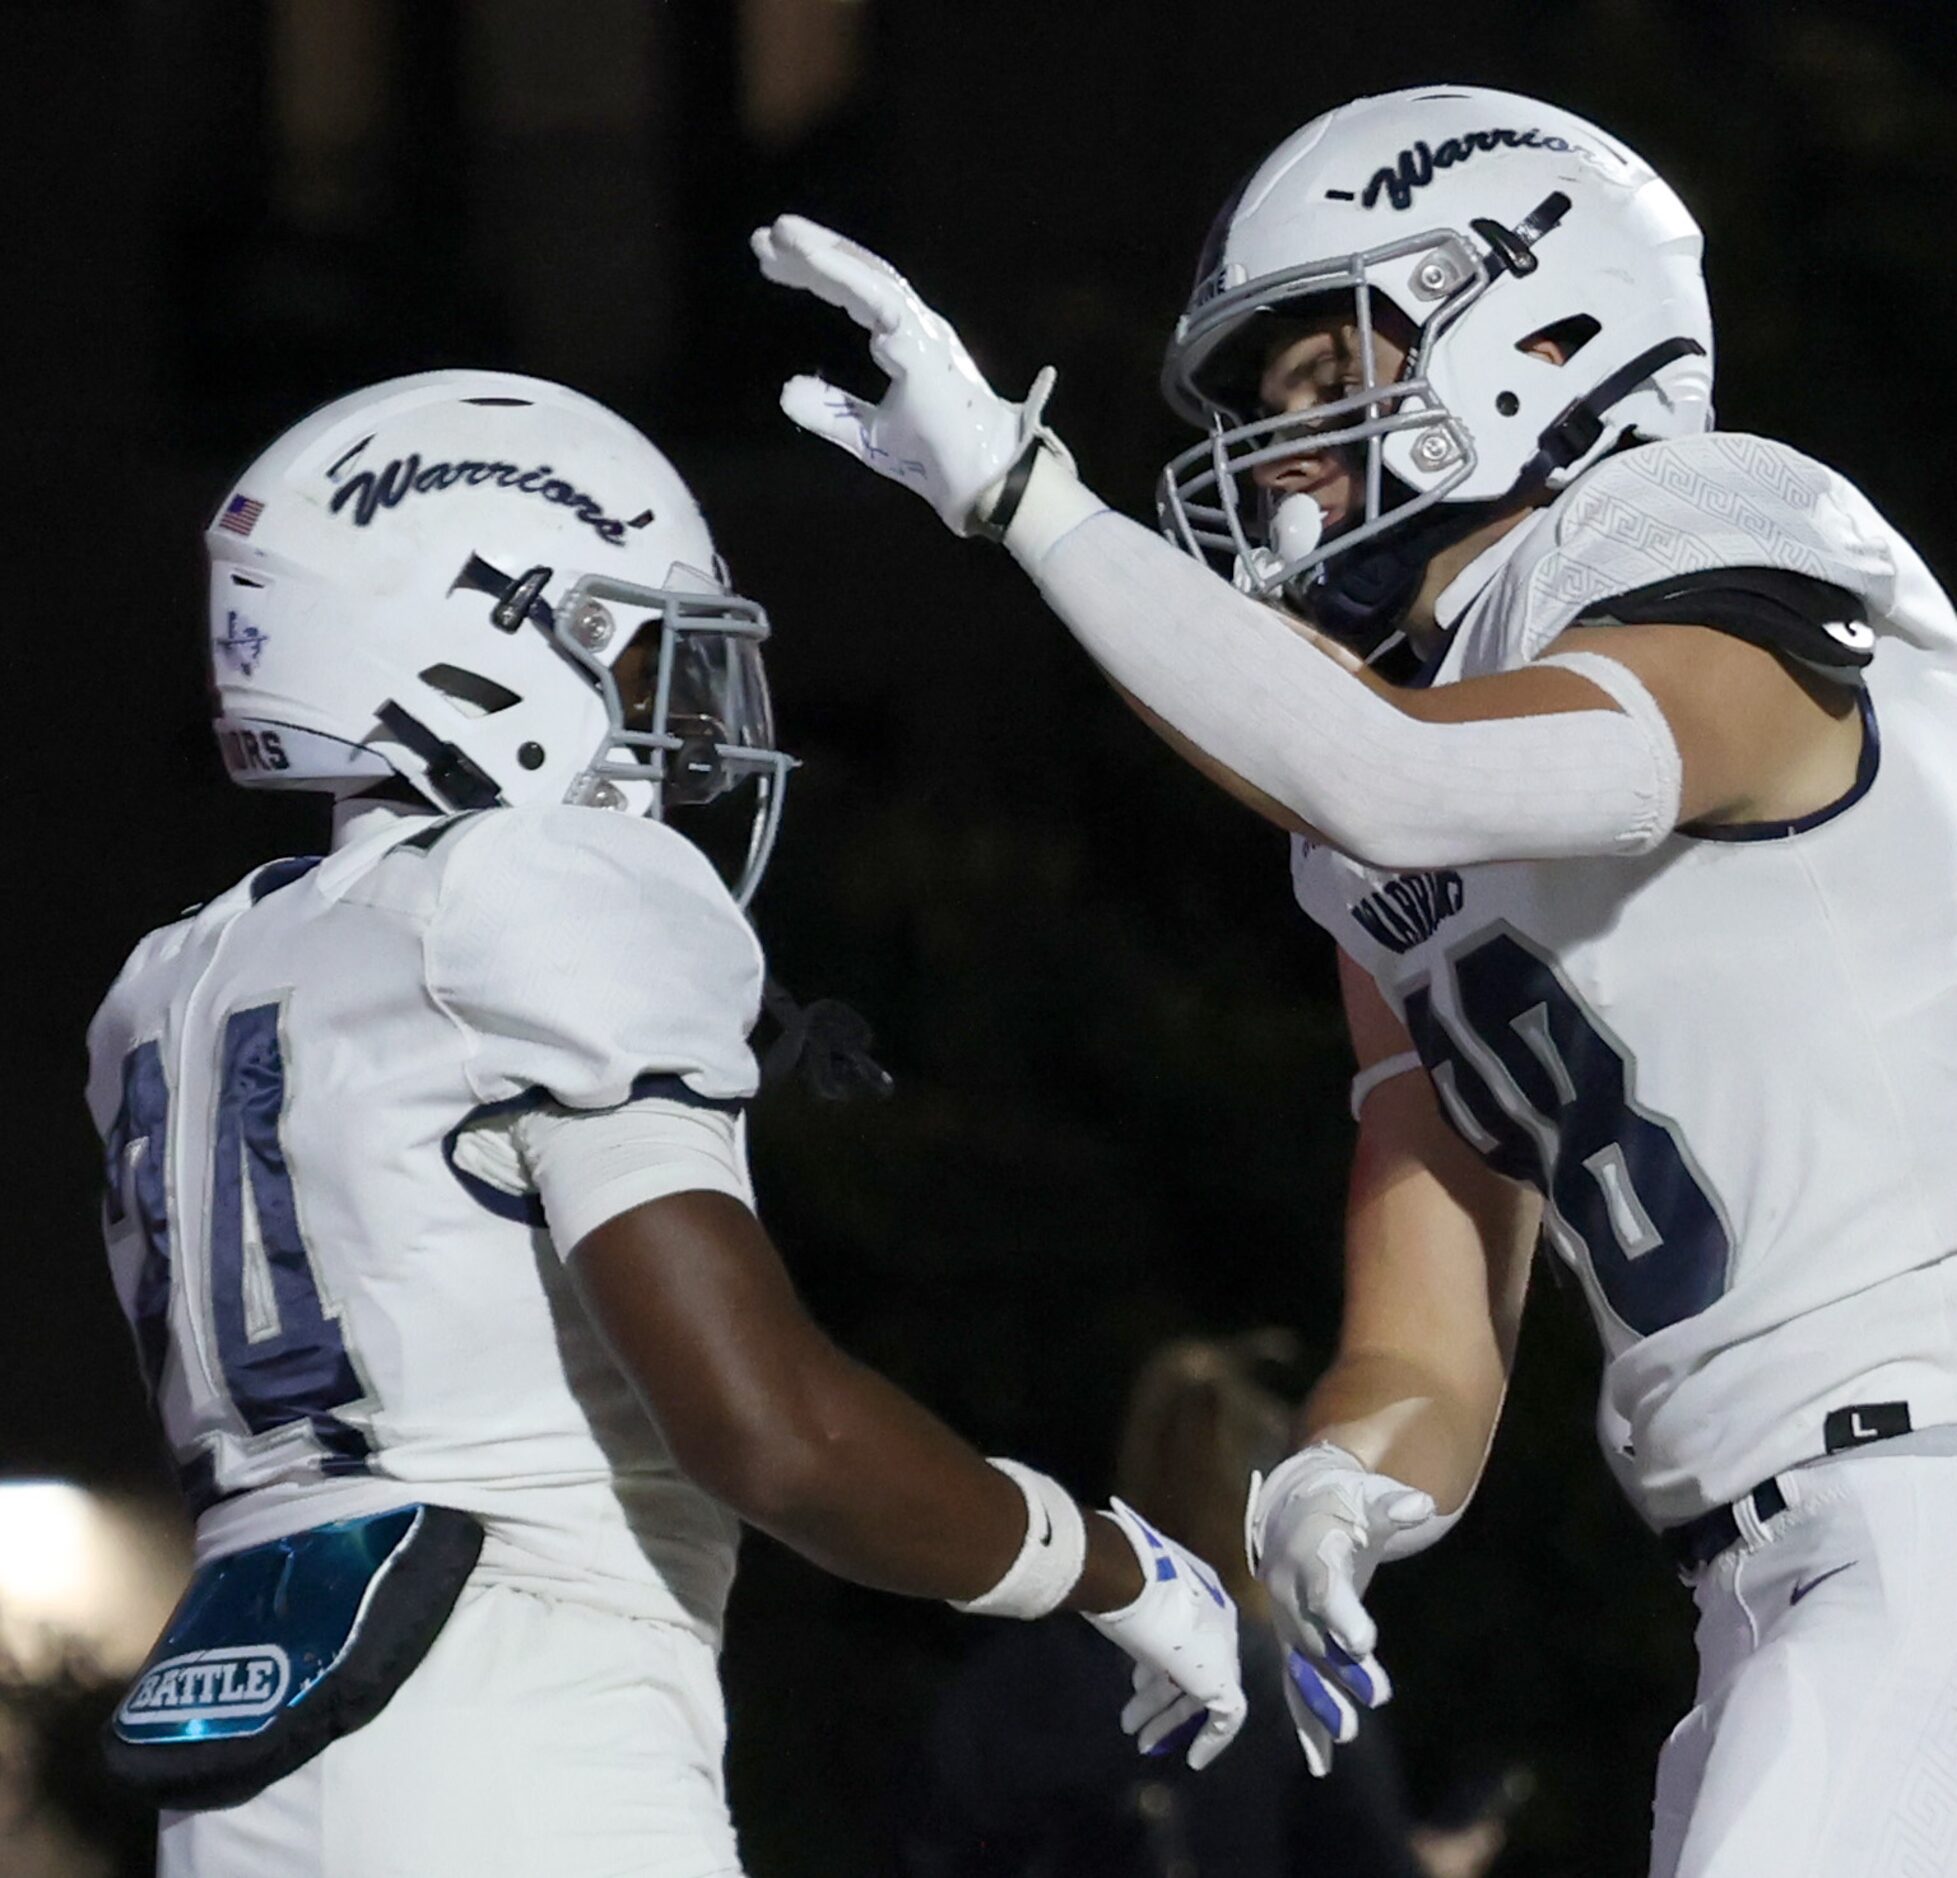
x: 241, y: 515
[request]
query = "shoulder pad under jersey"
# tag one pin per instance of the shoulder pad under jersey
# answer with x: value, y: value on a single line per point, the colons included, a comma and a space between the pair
x: 586, y: 952
x: 1667, y: 510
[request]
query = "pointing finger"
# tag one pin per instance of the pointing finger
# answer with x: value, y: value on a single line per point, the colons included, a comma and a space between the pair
x: 1335, y: 1601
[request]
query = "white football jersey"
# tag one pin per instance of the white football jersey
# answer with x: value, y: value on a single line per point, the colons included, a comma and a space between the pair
x: 334, y: 1314
x: 1730, y: 1065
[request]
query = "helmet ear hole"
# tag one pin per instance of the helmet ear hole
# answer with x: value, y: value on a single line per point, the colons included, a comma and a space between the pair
x: 471, y: 691
x: 1564, y: 337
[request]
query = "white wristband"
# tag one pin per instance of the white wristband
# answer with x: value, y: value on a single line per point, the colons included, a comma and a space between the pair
x: 1050, y: 1560
x: 1055, y: 501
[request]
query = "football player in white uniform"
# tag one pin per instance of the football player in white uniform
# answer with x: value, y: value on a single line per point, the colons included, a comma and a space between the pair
x: 429, y: 1208
x: 1645, y: 884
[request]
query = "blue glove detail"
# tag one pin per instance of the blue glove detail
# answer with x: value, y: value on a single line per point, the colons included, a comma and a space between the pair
x: 1323, y: 1705
x: 1181, y: 1738
x: 1351, y: 1673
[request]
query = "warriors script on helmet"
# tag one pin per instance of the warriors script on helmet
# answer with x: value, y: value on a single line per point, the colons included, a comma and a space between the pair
x: 1414, y: 168
x: 372, y: 490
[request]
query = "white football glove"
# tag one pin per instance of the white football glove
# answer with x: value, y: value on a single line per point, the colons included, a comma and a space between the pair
x: 940, y: 428
x: 1182, y: 1633
x: 1314, y: 1533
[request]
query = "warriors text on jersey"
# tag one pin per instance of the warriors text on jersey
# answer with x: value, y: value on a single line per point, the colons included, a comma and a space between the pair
x: 1730, y: 1064
x: 335, y: 1314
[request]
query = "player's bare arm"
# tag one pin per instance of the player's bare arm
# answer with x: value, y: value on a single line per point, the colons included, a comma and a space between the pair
x: 1395, y: 1433
x: 1759, y: 739
x: 1437, y: 1257
x: 761, y: 1409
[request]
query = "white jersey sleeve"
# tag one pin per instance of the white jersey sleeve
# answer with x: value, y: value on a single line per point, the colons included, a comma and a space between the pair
x: 586, y: 1166
x: 589, y: 958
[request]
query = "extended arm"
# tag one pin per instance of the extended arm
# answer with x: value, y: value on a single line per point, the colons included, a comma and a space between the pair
x: 1437, y: 1253
x: 1577, y: 761
x: 761, y: 1409
x: 1395, y: 1432
x: 1603, y: 747
x: 1754, y: 739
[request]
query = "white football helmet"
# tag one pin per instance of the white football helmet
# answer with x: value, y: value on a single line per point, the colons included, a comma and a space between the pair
x: 439, y: 578
x: 1487, y: 220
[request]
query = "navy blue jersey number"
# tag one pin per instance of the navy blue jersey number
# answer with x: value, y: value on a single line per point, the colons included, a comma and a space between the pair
x: 283, y: 1355
x: 280, y: 1350
x: 139, y: 1183
x: 1562, y: 1116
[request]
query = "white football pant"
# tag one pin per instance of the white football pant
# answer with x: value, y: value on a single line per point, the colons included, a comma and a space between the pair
x: 1823, y: 1743
x: 538, y: 1736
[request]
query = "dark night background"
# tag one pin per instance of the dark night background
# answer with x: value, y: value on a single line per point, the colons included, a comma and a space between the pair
x: 1121, y: 1108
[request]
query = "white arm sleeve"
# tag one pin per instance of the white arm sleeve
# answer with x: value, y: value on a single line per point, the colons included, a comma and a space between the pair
x: 590, y: 1166
x: 1231, y: 676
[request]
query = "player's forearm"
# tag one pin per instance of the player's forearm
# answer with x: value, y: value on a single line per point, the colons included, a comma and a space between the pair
x: 760, y: 1409
x: 1578, y: 773
x: 1225, y: 778
x: 866, y: 1483
x: 1399, y: 1417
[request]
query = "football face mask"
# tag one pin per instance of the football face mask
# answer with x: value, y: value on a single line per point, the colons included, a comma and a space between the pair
x: 1209, y: 501
x: 686, y: 698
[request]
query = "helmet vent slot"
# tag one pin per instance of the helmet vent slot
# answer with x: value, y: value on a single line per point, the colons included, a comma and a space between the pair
x: 1568, y: 336
x: 499, y: 401
x: 477, y: 695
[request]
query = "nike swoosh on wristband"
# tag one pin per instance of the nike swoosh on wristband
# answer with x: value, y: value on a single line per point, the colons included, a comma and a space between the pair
x: 1046, y: 1538
x: 1800, y: 1591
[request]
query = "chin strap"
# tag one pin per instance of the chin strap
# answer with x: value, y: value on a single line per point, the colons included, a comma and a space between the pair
x: 1361, y: 597
x: 454, y: 776
x: 1574, y: 434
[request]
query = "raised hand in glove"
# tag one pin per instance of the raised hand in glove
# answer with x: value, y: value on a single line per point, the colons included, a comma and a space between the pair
x: 939, y: 428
